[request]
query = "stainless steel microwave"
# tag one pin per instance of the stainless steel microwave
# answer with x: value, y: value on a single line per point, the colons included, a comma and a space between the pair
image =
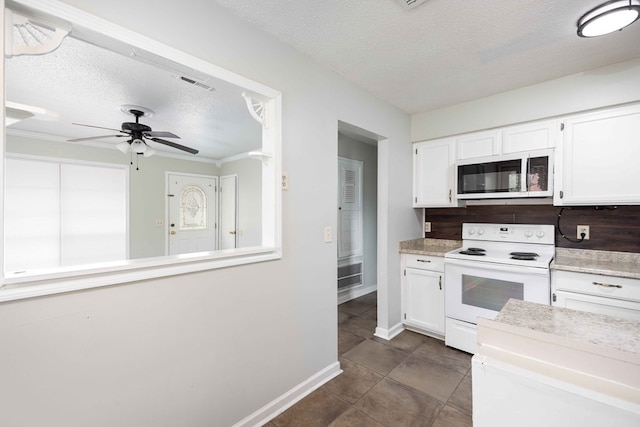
x: 528, y: 174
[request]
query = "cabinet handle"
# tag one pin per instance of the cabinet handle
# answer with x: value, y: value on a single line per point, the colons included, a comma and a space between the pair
x: 440, y: 282
x: 607, y: 285
x: 561, y: 194
x: 424, y: 260
x: 449, y: 195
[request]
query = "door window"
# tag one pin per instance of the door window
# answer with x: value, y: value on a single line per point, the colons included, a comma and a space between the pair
x: 193, y: 208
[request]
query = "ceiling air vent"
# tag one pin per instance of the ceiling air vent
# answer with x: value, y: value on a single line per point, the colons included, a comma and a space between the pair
x: 195, y: 82
x: 410, y: 4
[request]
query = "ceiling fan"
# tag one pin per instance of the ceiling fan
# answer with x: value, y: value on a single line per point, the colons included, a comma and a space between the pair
x: 137, y: 133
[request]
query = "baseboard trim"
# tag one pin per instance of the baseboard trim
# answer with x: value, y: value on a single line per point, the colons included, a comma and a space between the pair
x: 389, y: 334
x: 271, y: 410
x: 356, y: 292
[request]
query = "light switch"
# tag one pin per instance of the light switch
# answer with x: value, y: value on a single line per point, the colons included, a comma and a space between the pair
x: 328, y: 234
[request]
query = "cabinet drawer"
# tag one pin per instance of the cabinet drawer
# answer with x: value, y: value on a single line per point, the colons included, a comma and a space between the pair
x: 595, y: 284
x: 424, y: 262
x: 598, y: 304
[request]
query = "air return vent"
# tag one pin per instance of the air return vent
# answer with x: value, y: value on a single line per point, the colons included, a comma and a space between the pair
x: 349, y: 276
x: 194, y: 82
x: 410, y: 4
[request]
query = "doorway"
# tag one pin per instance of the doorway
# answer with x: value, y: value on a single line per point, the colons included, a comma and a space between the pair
x: 357, y: 212
x: 191, y: 213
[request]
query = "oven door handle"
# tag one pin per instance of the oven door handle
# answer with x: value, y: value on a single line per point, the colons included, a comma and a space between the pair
x: 497, y: 267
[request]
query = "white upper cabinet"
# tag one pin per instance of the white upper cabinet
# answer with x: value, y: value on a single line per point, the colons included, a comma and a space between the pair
x: 433, y: 173
x: 529, y: 136
x: 506, y: 140
x: 597, y: 158
x: 478, y: 144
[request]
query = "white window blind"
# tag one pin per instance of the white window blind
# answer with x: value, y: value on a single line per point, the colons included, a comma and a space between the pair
x: 32, y: 215
x: 62, y: 214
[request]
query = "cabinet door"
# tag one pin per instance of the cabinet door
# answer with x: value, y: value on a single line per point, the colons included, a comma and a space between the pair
x: 597, y: 304
x: 433, y: 174
x: 478, y: 144
x: 423, y: 299
x: 529, y: 136
x: 597, y: 158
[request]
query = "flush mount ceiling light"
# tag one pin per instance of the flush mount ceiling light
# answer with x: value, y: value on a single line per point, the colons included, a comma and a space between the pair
x: 609, y: 17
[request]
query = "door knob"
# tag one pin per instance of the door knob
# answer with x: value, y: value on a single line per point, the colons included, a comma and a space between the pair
x: 173, y: 232
x: 232, y: 232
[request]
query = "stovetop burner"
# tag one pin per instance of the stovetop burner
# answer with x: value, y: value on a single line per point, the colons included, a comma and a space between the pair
x: 524, y: 254
x: 473, y: 251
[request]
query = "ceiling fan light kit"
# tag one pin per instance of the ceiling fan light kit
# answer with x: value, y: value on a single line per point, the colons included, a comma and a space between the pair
x: 137, y: 133
x: 608, y: 17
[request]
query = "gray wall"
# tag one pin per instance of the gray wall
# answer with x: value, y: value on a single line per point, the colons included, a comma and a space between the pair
x: 368, y: 154
x: 610, y: 85
x: 213, y: 347
x: 147, y: 188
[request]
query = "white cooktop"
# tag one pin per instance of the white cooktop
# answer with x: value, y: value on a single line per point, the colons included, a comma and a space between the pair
x: 497, y: 242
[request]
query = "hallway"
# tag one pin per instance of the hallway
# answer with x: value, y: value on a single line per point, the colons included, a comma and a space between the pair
x: 412, y: 380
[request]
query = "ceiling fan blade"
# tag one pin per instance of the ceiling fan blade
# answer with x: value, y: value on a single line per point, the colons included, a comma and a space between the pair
x: 174, y: 145
x: 160, y: 134
x: 94, y: 137
x: 98, y: 127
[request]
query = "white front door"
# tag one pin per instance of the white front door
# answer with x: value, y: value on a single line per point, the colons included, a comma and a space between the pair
x: 228, y: 212
x: 191, y: 215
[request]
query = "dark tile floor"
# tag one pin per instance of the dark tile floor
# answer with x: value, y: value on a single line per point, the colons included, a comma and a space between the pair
x: 412, y: 380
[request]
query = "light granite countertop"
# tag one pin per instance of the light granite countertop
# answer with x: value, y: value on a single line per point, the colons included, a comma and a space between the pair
x: 591, y: 351
x: 591, y: 328
x: 432, y: 247
x: 608, y: 263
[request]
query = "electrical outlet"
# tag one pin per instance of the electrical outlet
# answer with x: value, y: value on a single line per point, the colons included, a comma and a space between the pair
x: 427, y: 227
x: 159, y: 223
x: 583, y: 229
x: 328, y: 235
x: 285, y: 181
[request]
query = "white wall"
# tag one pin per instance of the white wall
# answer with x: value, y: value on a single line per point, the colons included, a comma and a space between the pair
x: 611, y: 85
x: 368, y: 154
x: 211, y: 348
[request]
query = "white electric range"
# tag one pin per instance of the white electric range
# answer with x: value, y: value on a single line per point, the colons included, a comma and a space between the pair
x: 496, y: 262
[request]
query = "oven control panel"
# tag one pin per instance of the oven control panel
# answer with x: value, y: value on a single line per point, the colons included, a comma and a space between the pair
x: 534, y: 233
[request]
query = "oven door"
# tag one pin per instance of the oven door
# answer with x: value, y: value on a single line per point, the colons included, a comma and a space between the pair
x: 481, y: 289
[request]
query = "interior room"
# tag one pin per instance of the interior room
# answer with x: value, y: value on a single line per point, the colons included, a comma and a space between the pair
x: 274, y: 213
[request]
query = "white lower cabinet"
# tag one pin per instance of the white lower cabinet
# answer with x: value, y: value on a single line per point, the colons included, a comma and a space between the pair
x: 423, y: 294
x: 613, y: 296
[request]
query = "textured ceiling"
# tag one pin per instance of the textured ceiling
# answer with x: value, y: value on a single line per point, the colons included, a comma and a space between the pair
x: 443, y: 52
x: 83, y: 83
